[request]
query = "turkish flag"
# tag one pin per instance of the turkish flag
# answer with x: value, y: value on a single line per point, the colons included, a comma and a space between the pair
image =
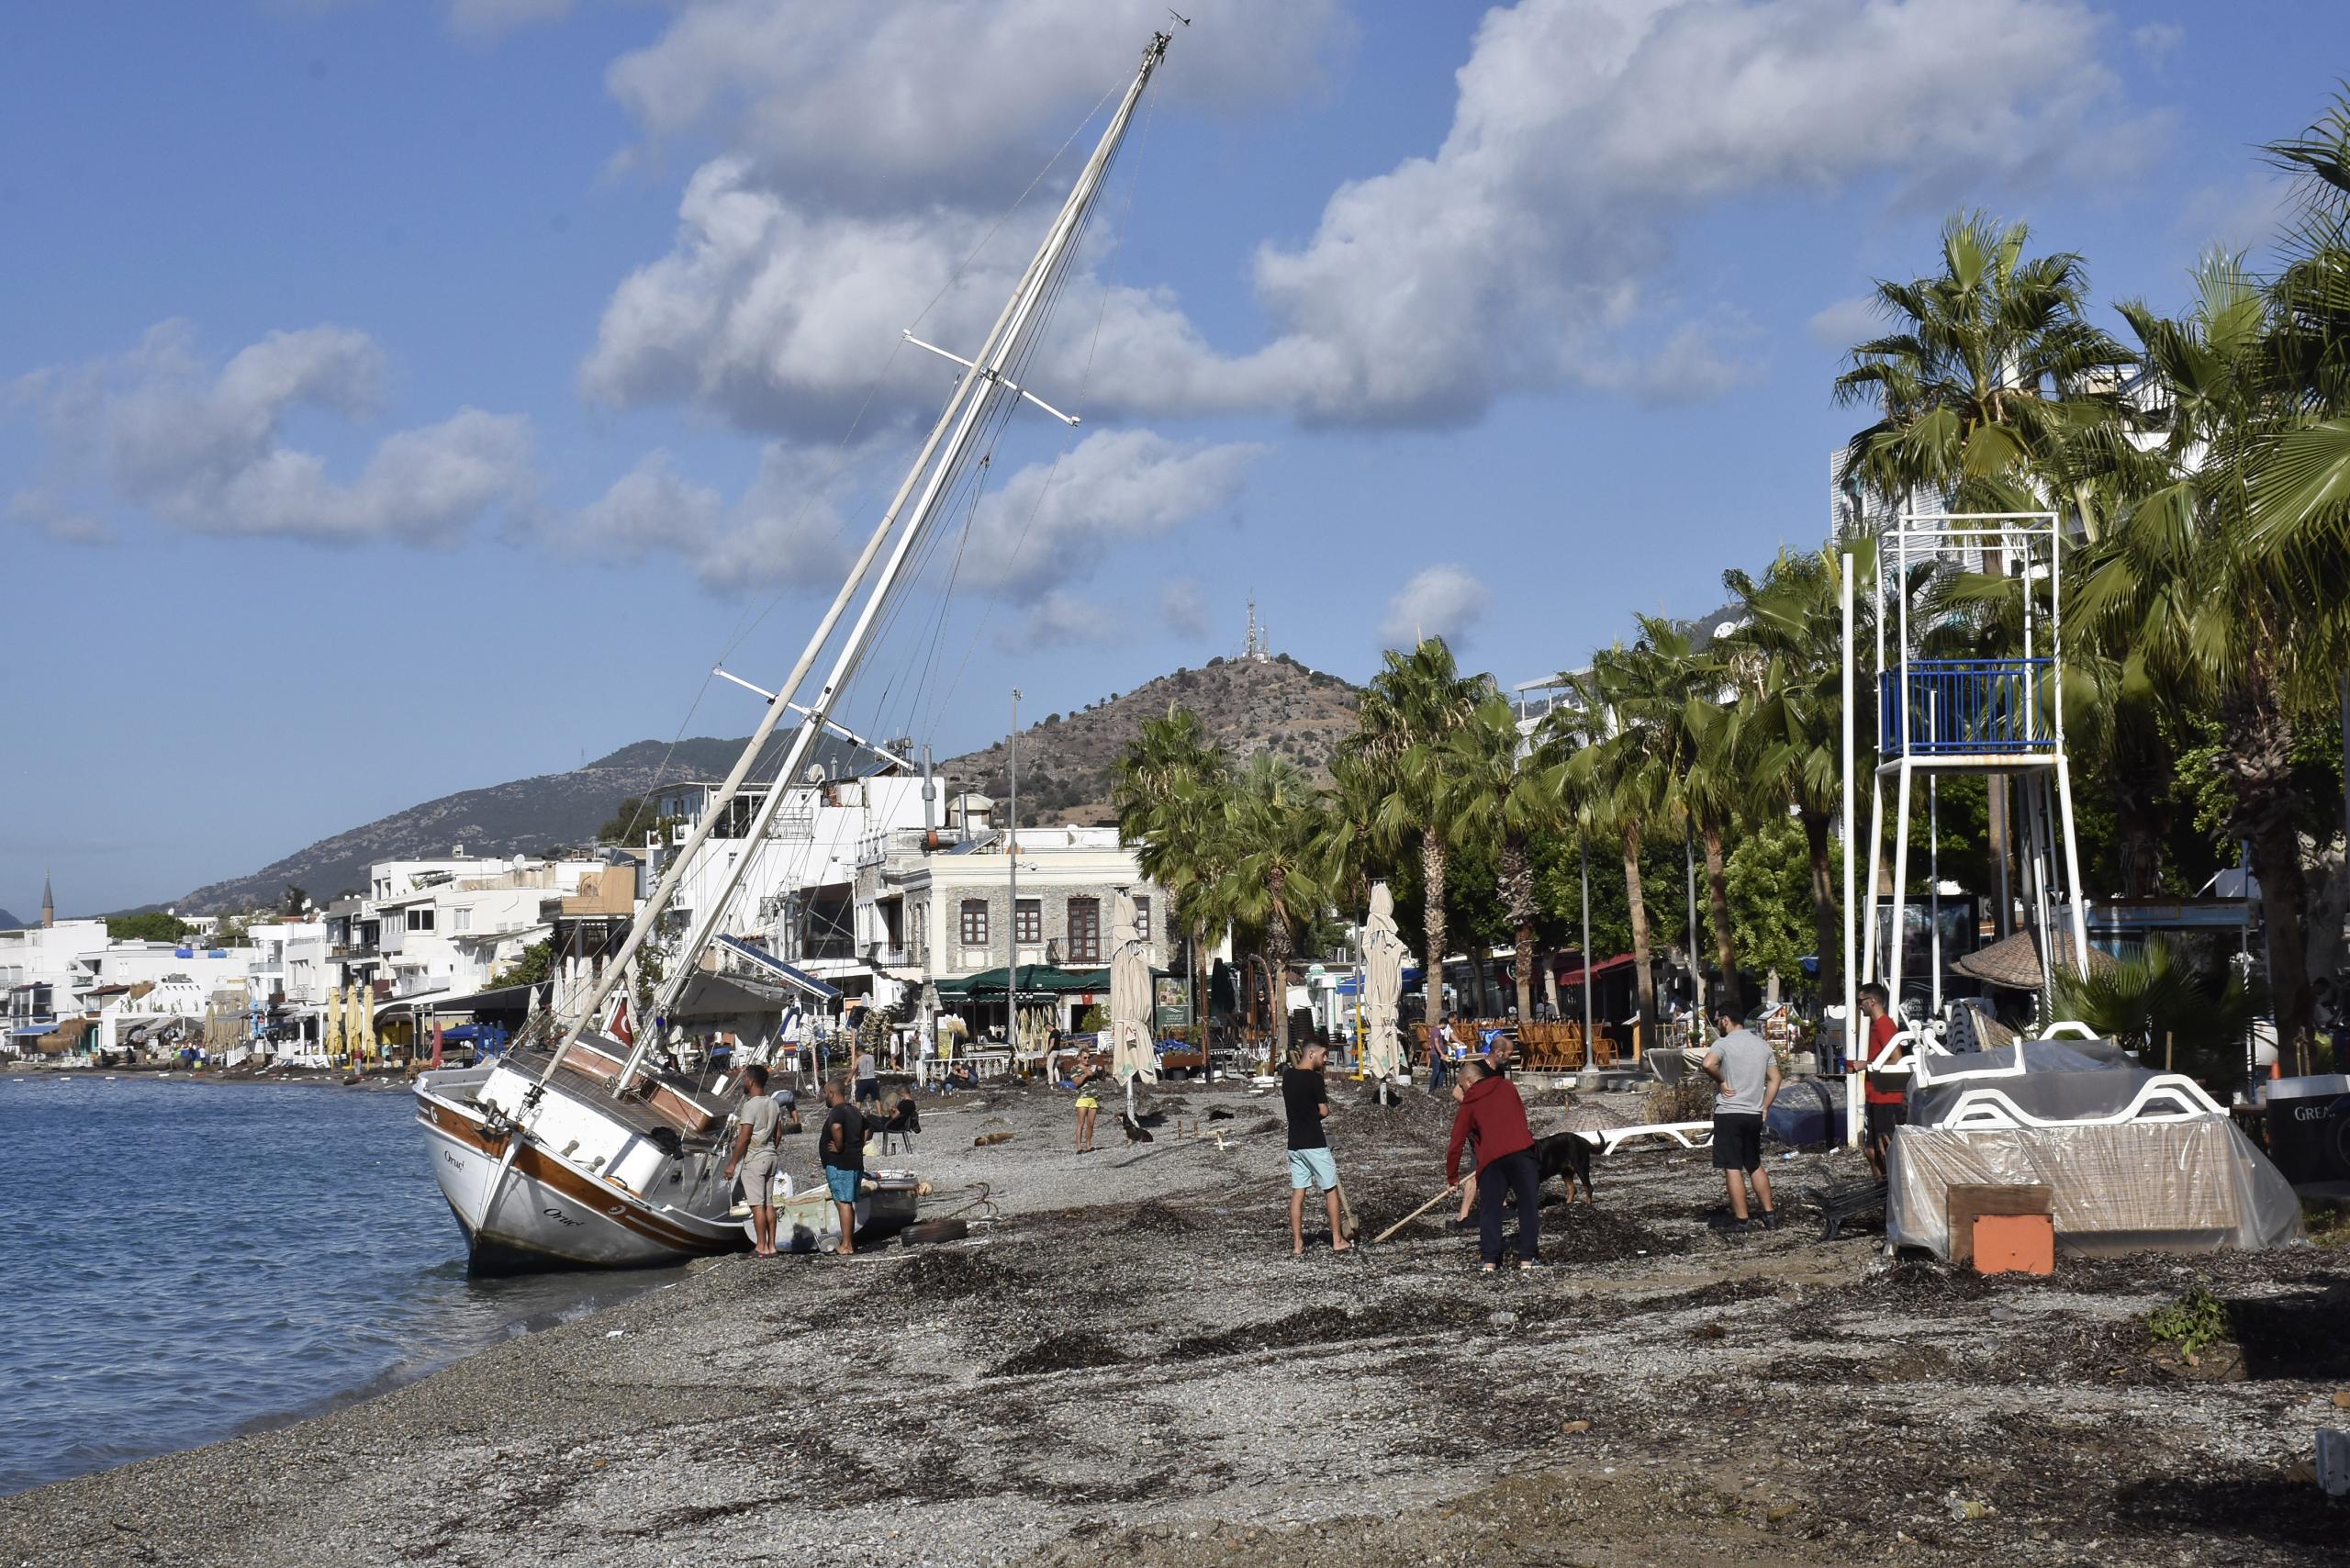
x: 621, y: 1029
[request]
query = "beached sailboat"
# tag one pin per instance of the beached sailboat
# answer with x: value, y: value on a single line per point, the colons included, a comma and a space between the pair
x: 585, y: 1156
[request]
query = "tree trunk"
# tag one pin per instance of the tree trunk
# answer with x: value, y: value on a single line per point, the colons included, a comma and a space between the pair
x: 1637, y: 906
x: 1277, y: 966
x: 2258, y: 757
x: 1432, y: 860
x: 2138, y: 778
x: 1517, y: 907
x: 1718, y: 899
x: 1827, y: 932
x: 1200, y: 1008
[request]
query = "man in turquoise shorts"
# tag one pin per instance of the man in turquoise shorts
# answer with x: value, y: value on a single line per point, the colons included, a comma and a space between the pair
x: 841, y: 1145
x: 1307, y: 1100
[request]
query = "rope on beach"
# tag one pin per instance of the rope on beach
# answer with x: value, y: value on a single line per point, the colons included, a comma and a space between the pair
x: 984, y: 1200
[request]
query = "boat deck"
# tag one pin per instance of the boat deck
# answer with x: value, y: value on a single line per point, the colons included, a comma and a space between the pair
x: 640, y: 1113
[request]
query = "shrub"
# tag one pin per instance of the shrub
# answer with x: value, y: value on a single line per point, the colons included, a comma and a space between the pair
x: 2195, y: 1322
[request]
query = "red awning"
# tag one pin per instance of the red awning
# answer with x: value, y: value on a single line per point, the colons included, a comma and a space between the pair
x: 1575, y: 976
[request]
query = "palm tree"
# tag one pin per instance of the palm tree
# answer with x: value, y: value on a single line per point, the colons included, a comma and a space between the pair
x: 1788, y: 656
x: 1495, y: 792
x: 2187, y: 581
x: 1418, y: 699
x: 1679, y: 750
x: 1169, y: 794
x: 1991, y: 371
x: 1614, y: 796
x: 1271, y: 882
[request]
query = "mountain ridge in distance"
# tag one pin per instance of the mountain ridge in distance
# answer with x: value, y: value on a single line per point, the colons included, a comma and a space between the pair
x: 1068, y: 763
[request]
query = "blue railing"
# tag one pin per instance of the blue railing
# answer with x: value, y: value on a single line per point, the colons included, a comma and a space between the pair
x: 1946, y: 706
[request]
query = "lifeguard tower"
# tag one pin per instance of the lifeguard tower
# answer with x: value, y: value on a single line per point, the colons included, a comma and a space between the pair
x: 2001, y: 715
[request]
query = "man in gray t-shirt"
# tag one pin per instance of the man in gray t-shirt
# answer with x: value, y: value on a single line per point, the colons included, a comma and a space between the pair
x: 1746, y: 1068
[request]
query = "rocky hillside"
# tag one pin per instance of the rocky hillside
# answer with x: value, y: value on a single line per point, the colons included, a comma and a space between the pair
x: 526, y: 816
x: 1068, y: 760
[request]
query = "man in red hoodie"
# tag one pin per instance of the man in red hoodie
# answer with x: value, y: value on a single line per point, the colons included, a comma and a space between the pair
x: 1492, y: 1112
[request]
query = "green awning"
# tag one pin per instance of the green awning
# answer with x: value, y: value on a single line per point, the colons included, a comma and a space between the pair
x: 1035, y: 979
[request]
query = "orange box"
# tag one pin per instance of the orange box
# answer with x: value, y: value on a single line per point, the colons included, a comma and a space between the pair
x: 2015, y: 1244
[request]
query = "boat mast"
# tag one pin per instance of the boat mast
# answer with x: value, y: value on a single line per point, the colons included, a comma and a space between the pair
x: 978, y: 391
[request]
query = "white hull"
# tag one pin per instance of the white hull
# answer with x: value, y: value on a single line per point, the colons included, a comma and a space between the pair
x: 615, y: 1199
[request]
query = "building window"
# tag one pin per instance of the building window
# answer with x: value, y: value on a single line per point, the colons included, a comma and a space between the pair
x: 975, y: 923
x: 419, y: 919
x: 1085, y: 931
x: 1028, y: 921
x: 1142, y: 920
x: 461, y: 920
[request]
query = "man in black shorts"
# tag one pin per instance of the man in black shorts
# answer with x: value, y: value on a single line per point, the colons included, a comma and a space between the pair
x: 1744, y: 1064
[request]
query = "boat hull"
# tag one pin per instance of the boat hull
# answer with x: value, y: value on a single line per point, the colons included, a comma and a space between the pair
x: 539, y: 1211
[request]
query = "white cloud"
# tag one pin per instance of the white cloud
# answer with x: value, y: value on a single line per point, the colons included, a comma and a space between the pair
x: 1841, y: 323
x: 2246, y: 214
x: 1046, y: 527
x: 1521, y: 253
x: 486, y: 21
x: 45, y: 514
x: 1181, y: 608
x: 156, y: 428
x: 1061, y: 618
x: 896, y: 105
x: 2158, y: 40
x: 786, y: 529
x: 1442, y: 601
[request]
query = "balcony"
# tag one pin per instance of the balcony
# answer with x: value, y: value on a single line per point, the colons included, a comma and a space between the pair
x: 1974, y: 708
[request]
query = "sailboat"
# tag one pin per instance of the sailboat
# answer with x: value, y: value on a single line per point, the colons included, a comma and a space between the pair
x: 583, y: 1155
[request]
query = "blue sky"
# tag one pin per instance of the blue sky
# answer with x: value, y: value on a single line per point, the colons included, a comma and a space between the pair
x: 398, y: 398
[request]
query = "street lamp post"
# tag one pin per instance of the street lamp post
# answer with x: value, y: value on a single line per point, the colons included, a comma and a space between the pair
x: 1012, y: 914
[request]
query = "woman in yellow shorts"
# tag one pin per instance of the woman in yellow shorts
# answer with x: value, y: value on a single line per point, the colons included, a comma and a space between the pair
x: 1088, y: 1073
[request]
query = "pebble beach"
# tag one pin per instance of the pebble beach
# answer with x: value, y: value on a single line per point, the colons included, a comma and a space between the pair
x: 1122, y: 1362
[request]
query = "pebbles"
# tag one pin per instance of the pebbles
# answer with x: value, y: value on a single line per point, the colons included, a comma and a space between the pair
x: 1123, y: 1363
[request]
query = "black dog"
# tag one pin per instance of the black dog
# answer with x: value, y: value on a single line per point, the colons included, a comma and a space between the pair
x: 1567, y: 1155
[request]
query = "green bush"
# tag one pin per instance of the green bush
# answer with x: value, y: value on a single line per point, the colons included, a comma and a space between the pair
x: 2195, y: 1322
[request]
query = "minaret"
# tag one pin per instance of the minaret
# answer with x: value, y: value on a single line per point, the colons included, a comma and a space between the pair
x: 48, y: 904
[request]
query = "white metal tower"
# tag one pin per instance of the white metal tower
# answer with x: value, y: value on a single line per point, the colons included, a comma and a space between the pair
x: 2001, y: 715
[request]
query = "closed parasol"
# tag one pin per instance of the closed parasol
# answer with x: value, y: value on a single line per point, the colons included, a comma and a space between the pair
x: 335, y: 1042
x: 1382, y: 959
x: 1132, y: 1054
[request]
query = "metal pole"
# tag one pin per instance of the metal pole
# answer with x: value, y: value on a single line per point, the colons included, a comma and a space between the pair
x: 1853, y: 1093
x: 1934, y: 873
x: 1012, y: 915
x: 949, y: 439
x: 1696, y: 964
x: 1589, y: 1059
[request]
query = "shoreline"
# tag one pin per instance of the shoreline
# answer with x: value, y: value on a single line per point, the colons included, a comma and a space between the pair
x: 324, y: 1078
x: 1123, y: 1362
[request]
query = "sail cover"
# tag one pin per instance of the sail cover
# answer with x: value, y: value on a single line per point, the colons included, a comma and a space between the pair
x: 1132, y: 1053
x: 1382, y: 957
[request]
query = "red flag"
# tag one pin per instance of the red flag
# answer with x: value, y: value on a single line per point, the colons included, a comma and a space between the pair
x: 620, y: 1030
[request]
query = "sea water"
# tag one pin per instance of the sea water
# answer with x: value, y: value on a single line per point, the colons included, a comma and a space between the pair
x: 181, y: 1261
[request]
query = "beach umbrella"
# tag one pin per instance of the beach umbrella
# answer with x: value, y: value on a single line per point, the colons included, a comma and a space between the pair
x: 1382, y: 987
x: 334, y: 1040
x: 363, y: 1023
x: 1132, y: 1054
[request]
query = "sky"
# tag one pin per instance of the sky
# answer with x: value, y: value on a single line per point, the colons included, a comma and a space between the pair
x: 398, y: 396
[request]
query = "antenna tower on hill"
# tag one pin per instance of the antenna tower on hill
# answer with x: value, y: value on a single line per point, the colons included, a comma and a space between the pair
x: 1258, y: 647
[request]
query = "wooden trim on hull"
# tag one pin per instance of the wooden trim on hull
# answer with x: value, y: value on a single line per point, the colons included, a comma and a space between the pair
x: 646, y: 1239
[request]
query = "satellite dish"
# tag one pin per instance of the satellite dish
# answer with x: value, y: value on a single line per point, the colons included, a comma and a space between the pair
x: 815, y: 774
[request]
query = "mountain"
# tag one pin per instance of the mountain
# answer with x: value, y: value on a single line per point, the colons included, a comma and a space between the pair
x: 527, y: 816
x: 10, y: 922
x: 1066, y: 764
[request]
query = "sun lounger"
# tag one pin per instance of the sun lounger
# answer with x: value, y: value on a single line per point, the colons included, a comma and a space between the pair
x: 1843, y: 1200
